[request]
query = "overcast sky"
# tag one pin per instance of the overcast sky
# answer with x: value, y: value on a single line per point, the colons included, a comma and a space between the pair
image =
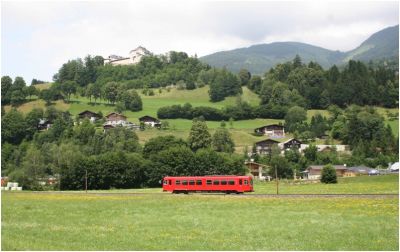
x: 37, y: 37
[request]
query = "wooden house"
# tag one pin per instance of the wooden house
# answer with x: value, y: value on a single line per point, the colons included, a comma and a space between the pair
x: 290, y: 144
x: 115, y: 119
x: 89, y: 115
x: 44, y: 124
x: 272, y: 130
x: 257, y: 170
x: 265, y: 146
x: 314, y: 171
x: 151, y: 121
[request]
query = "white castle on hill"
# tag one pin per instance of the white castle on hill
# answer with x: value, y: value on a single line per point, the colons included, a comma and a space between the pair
x: 134, y: 57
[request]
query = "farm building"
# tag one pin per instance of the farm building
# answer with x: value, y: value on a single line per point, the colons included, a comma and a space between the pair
x: 272, y: 130
x: 257, y: 170
x: 89, y: 115
x: 151, y: 121
x: 314, y: 171
x: 265, y: 146
x: 115, y: 119
x: 290, y: 144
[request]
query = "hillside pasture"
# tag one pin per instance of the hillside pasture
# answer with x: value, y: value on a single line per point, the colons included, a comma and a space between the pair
x: 32, y: 221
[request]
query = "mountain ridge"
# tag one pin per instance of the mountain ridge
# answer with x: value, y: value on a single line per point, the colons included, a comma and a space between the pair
x: 261, y: 57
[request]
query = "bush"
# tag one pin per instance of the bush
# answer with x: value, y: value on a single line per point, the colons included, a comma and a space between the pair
x: 328, y: 175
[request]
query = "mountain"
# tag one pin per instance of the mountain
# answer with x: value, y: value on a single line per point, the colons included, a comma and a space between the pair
x: 383, y: 44
x: 259, y: 58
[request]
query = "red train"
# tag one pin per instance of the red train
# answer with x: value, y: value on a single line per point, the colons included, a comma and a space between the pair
x: 226, y: 184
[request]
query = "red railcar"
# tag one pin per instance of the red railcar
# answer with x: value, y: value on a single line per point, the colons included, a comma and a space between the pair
x: 226, y: 184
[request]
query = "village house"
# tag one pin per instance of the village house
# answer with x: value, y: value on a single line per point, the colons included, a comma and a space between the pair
x: 314, y: 171
x: 151, y: 121
x: 272, y: 130
x: 257, y: 170
x: 115, y: 119
x: 265, y: 146
x: 290, y: 144
x: 89, y: 115
x: 134, y: 57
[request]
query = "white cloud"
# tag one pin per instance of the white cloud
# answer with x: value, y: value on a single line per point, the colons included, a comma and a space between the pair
x: 37, y: 37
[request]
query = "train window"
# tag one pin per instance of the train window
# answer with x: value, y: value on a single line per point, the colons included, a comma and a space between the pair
x: 209, y: 182
x: 184, y: 182
x: 199, y: 182
x: 177, y: 182
x: 240, y: 181
x: 223, y: 182
x: 231, y: 182
x: 165, y: 182
x: 191, y: 182
x: 246, y: 182
x: 216, y: 182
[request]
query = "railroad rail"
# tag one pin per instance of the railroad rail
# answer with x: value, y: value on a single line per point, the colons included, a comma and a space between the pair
x: 253, y: 195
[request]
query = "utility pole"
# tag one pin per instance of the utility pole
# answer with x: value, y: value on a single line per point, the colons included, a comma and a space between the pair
x: 276, y: 179
x: 86, y: 181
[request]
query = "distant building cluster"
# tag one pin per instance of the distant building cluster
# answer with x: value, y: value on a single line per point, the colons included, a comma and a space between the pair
x: 134, y: 57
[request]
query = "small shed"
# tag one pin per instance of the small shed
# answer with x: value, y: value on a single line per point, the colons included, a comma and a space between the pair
x: 256, y: 169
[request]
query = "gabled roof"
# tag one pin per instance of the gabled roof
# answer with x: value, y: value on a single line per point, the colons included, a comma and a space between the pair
x: 149, y: 118
x: 269, y: 125
x: 268, y: 140
x: 114, y: 113
x: 319, y: 167
x: 90, y: 112
x: 291, y: 139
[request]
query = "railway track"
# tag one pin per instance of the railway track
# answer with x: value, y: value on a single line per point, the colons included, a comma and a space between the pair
x: 252, y: 195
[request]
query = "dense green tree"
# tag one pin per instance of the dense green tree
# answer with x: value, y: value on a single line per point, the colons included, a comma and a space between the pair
x: 294, y: 118
x: 111, y: 92
x: 222, y: 141
x: 131, y: 100
x: 160, y: 143
x: 13, y: 127
x: 32, y: 120
x: 17, y: 97
x: 30, y: 91
x: 255, y: 83
x: 328, y: 175
x: 6, y: 83
x: 244, y: 76
x: 199, y: 137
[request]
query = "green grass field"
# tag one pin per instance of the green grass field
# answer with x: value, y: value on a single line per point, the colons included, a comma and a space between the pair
x: 196, y: 222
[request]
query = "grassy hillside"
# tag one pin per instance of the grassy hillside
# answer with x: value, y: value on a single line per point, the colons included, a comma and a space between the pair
x: 241, y: 130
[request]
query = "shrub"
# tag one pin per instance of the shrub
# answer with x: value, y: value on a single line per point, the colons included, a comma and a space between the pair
x: 328, y: 175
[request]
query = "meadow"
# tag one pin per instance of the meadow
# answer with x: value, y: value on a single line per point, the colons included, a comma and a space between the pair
x: 33, y: 221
